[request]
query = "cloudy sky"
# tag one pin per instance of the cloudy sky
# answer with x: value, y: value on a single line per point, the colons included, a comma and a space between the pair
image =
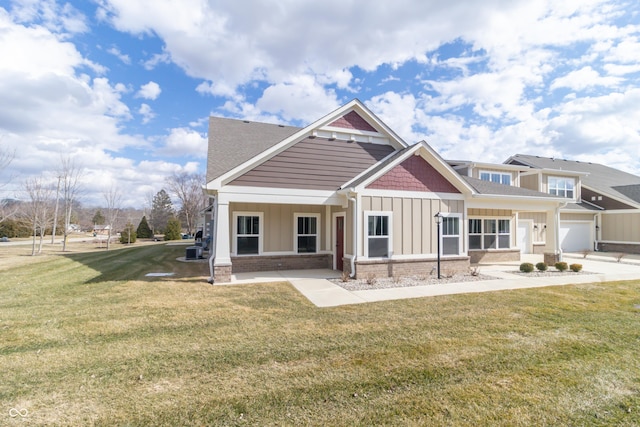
x: 125, y: 86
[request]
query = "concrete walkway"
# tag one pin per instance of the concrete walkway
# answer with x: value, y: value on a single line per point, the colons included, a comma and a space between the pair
x: 313, y: 284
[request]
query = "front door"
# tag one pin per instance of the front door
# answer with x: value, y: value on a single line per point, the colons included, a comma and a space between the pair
x: 339, y: 242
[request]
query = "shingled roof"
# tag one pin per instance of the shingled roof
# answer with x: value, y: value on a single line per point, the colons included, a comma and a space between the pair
x: 496, y: 189
x: 233, y: 142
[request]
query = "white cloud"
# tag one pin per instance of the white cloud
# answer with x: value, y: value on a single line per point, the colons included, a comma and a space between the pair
x: 121, y: 56
x: 150, y: 90
x: 185, y: 142
x: 146, y: 112
x: 584, y: 78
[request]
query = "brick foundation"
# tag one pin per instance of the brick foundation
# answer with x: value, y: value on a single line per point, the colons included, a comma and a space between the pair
x: 417, y: 267
x: 489, y: 256
x: 619, y: 247
x: 538, y: 249
x: 246, y: 264
x: 221, y: 274
x: 551, y: 259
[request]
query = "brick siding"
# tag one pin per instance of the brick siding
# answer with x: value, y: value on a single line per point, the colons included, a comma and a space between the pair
x: 484, y: 256
x: 414, y: 174
x: 628, y: 248
x: 246, y: 264
x: 398, y: 268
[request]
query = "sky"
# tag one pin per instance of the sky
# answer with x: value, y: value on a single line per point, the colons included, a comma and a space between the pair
x: 125, y: 87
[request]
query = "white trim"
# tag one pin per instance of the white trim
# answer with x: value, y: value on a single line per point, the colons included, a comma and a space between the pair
x: 564, y: 178
x: 529, y: 223
x: 234, y: 243
x: 497, y: 234
x: 412, y: 194
x: 617, y: 242
x: 297, y: 215
x: 287, y: 196
x: 509, y: 174
x: 461, y: 233
x: 334, y: 237
x: 365, y: 237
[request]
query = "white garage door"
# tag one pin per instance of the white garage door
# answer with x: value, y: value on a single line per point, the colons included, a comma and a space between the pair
x: 576, y: 236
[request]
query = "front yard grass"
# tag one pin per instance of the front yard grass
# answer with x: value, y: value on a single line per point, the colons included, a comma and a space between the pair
x: 87, y: 339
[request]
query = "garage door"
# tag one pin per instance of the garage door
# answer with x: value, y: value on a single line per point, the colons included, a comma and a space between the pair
x: 576, y: 236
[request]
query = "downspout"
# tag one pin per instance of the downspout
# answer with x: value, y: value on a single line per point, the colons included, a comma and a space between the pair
x: 598, y: 227
x: 557, y: 228
x: 355, y: 235
x: 214, y: 231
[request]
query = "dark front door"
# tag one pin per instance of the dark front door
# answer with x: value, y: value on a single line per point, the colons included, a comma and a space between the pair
x: 339, y: 241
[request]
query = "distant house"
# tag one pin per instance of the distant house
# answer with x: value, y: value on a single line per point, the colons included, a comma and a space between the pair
x: 347, y: 193
x: 101, y: 230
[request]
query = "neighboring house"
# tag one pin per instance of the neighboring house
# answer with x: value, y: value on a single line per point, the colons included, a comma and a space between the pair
x: 603, y: 204
x: 347, y: 193
x: 101, y: 230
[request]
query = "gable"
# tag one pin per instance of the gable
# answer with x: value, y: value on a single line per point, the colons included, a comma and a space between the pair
x: 315, y: 163
x: 353, y: 120
x: 414, y: 174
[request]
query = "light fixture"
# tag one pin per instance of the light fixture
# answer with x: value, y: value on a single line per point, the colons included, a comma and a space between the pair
x: 535, y: 227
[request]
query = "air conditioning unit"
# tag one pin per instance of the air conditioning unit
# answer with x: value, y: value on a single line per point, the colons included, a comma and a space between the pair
x: 193, y: 252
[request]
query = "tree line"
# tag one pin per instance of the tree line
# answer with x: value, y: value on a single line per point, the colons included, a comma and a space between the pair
x: 53, y: 206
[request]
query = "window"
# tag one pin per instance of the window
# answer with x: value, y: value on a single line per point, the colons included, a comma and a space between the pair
x: 306, y: 233
x: 450, y: 235
x: 378, y: 235
x: 248, y: 237
x: 562, y: 187
x: 498, y: 177
x: 489, y: 233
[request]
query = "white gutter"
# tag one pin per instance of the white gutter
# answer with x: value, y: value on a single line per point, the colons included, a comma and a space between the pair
x: 355, y: 235
x: 557, y: 227
x: 212, y: 246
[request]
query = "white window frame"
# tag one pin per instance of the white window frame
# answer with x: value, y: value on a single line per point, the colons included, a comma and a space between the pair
x: 460, y: 233
x: 497, y: 234
x: 564, y: 180
x: 296, y: 235
x: 389, y: 216
x: 491, y: 174
x: 234, y: 243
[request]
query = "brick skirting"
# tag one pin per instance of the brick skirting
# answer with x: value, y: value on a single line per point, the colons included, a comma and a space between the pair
x: 246, y: 264
x: 413, y: 267
x: 628, y: 248
x: 497, y: 255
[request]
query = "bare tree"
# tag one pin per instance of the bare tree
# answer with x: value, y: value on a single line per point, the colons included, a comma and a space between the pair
x: 39, y: 209
x: 69, y: 175
x: 113, y: 197
x: 188, y: 189
x: 7, y: 210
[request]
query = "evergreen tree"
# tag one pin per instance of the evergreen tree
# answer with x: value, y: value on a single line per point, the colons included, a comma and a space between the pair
x: 128, y: 235
x: 172, y: 232
x: 161, y: 211
x: 144, y: 231
x: 98, y: 218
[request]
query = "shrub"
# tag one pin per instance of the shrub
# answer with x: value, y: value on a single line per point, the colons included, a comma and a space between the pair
x: 128, y: 235
x: 575, y: 267
x: 561, y: 266
x: 542, y: 266
x: 526, y: 267
x: 172, y: 232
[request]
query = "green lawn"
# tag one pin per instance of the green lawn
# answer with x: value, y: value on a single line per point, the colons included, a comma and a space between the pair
x: 87, y: 339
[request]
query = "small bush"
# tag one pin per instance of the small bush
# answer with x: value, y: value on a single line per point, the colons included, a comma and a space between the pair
x: 128, y: 235
x: 542, y: 266
x: 526, y: 267
x: 561, y: 266
x: 575, y: 267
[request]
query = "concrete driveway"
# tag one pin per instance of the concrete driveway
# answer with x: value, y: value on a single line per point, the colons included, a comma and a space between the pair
x: 313, y: 284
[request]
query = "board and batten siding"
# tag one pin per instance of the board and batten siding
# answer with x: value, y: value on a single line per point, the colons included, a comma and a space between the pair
x: 278, y: 227
x: 539, y: 221
x: 530, y: 182
x: 621, y: 227
x: 414, y: 228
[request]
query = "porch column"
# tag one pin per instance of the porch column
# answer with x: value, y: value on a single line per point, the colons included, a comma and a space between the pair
x: 552, y: 252
x: 222, y: 260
